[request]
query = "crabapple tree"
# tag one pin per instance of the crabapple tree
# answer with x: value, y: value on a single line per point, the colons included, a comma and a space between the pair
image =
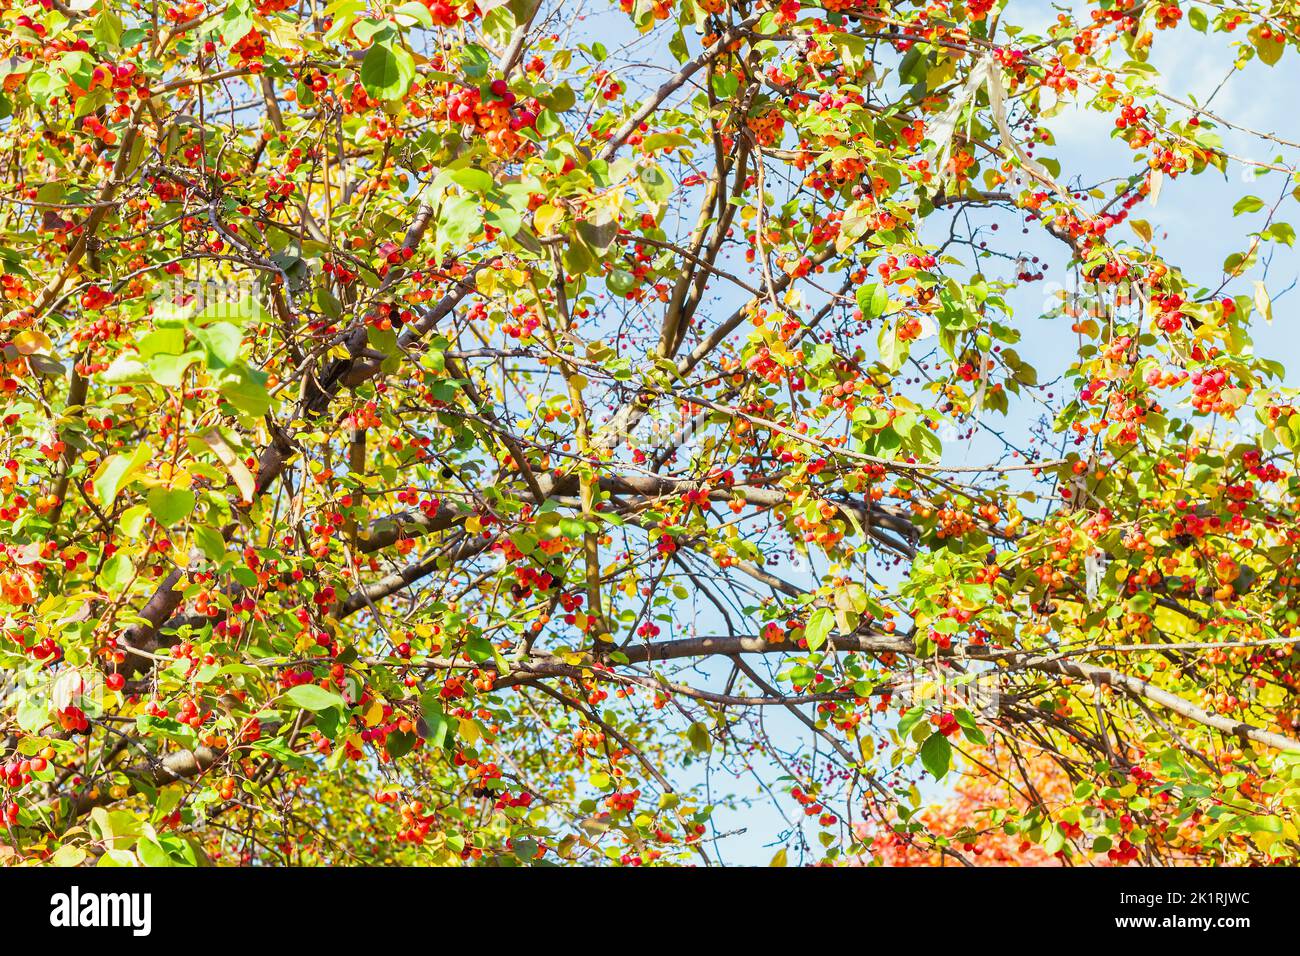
x: 525, y: 432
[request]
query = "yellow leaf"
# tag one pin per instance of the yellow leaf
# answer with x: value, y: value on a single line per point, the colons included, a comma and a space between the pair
x: 486, y: 283
x: 238, y: 470
x: 32, y: 341
x: 867, y: 746
x: 1157, y: 181
x: 1263, y: 302
x: 1264, y: 839
x: 174, y: 477
x: 546, y: 217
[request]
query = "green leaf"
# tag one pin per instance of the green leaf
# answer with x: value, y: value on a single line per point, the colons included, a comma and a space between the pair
x: 151, y: 854
x: 117, y: 472
x: 245, y: 388
x: 171, y: 506
x: 620, y: 281
x: 893, y: 350
x: 124, y: 370
x: 459, y: 220
x: 237, y: 23
x: 314, y: 698
x: 699, y: 737
x: 116, y: 573
x: 506, y: 219
x: 475, y: 61
x: 42, y: 87
x: 114, y: 857
x: 168, y: 341
x: 210, y: 542
x: 399, y: 744
x: 655, y: 184
x: 328, y: 303
x: 910, y: 720
x: 417, y: 12
x: 68, y: 855
x: 547, y: 125
x: 1282, y: 232
x: 872, y: 300
x: 131, y: 522
x: 387, y: 71
x: 560, y: 99
x: 438, y: 729
x: 108, y: 29
x: 238, y: 313
x: 1247, y: 204
x: 468, y: 177
x: 969, y: 728
x: 221, y: 340
x: 368, y: 30
x: 1270, y: 50
x: 820, y: 624
x: 169, y: 370
x: 1269, y: 824
x: 936, y: 754
x: 33, y: 714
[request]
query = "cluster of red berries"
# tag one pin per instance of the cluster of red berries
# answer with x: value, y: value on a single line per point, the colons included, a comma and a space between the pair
x: 812, y: 807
